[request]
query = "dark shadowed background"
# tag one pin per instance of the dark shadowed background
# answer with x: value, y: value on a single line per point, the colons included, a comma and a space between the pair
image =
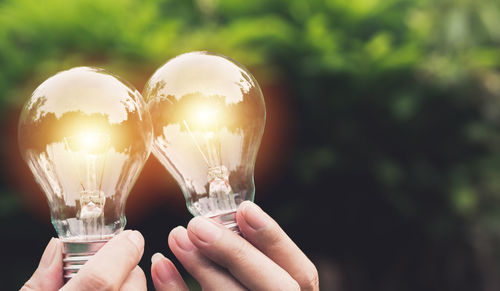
x: 381, y: 155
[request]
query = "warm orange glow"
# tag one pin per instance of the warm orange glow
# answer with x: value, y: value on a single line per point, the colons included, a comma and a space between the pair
x: 204, y: 116
x: 90, y: 142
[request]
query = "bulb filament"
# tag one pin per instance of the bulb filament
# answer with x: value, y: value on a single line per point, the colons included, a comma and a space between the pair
x: 220, y: 194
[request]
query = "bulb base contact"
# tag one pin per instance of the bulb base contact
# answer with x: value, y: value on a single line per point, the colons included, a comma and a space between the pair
x: 228, y: 220
x: 76, y: 254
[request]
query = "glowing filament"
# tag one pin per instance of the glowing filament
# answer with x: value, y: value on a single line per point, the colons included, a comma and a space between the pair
x: 89, y: 142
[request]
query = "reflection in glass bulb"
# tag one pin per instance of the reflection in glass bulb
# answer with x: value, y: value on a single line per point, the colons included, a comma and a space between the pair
x: 208, y: 117
x: 85, y: 135
x: 88, y: 155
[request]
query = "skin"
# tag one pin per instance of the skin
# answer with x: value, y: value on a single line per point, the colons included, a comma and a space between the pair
x: 266, y: 259
x: 113, y: 267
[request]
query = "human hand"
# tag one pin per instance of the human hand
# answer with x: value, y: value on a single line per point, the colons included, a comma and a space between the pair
x: 222, y: 260
x: 113, y: 267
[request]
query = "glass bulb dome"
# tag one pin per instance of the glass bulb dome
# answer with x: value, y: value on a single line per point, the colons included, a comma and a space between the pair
x: 85, y: 134
x: 208, y: 117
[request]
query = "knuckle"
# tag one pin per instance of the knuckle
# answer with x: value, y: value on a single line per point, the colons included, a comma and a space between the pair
x: 97, y: 282
x: 310, y: 279
x: 27, y: 287
x: 34, y: 282
x: 273, y: 236
x: 240, y: 253
x: 289, y: 285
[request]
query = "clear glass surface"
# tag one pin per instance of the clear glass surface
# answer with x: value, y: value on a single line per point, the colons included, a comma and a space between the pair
x: 85, y: 135
x: 208, y: 117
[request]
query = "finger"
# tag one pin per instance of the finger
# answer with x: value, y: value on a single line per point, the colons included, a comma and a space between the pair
x: 265, y: 234
x: 251, y: 267
x: 48, y: 275
x: 136, y: 281
x: 165, y: 275
x: 110, y: 266
x: 207, y: 273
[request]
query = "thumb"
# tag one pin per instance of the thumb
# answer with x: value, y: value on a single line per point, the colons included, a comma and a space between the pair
x: 48, y: 275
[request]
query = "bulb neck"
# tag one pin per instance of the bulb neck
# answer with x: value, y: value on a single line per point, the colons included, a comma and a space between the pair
x: 76, y: 254
x: 228, y: 220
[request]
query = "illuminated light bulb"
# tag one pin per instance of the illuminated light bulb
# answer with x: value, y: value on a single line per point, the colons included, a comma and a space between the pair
x: 85, y: 135
x: 208, y: 117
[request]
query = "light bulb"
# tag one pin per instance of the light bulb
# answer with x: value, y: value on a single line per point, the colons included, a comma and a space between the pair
x: 85, y: 135
x: 208, y: 117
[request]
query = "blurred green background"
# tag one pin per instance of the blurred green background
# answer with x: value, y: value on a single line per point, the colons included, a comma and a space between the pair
x: 381, y: 156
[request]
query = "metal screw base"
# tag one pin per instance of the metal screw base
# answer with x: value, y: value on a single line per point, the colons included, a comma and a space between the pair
x: 228, y: 220
x: 75, y: 254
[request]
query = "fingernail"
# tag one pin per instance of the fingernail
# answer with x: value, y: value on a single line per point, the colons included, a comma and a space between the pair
x: 136, y: 238
x: 182, y: 239
x: 254, y: 216
x: 49, y: 254
x: 205, y: 230
x: 164, y: 270
x: 156, y: 257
